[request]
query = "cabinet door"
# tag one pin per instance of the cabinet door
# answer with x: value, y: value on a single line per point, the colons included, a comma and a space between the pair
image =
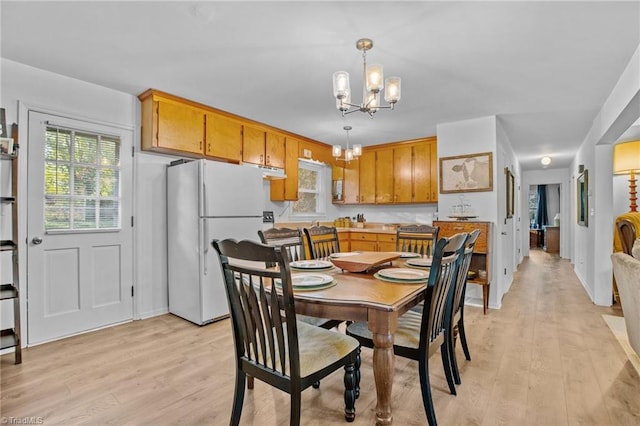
x: 253, y: 145
x: 275, y: 150
x: 287, y: 189
x: 180, y: 127
x: 434, y: 170
x: 402, y: 174
x: 351, y: 186
x: 422, y: 173
x: 384, y: 176
x: 358, y: 245
x: 367, y: 184
x: 223, y: 137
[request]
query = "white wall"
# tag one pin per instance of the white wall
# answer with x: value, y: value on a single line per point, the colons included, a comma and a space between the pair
x: 53, y: 92
x: 485, y: 135
x: 617, y: 115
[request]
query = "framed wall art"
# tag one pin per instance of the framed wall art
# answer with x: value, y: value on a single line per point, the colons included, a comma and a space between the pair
x: 583, y: 198
x: 510, y: 193
x: 466, y: 173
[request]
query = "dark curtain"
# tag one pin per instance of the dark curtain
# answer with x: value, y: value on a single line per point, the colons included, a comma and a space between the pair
x: 541, y: 210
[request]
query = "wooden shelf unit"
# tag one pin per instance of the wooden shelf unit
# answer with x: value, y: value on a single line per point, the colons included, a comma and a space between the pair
x: 482, y: 252
x: 10, y: 292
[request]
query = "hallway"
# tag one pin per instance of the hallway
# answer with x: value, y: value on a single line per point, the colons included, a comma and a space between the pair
x: 546, y: 358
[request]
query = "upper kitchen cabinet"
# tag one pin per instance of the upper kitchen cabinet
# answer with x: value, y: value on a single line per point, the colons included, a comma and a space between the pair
x: 263, y: 147
x: 287, y: 189
x: 223, y: 138
x: 171, y: 126
x: 425, y: 171
x: 316, y: 151
x: 367, y: 177
x: 384, y: 171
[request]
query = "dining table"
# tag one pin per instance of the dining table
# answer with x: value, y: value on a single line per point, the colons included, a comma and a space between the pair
x: 365, y: 297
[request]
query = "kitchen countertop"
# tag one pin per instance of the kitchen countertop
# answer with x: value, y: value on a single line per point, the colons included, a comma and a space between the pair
x: 374, y: 228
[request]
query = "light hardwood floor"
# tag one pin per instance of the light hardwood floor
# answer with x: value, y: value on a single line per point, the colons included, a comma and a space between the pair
x: 546, y: 358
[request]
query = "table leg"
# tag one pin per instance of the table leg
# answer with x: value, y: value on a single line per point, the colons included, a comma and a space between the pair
x: 383, y: 365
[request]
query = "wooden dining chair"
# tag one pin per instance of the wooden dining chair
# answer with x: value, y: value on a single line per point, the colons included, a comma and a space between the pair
x: 270, y: 344
x: 416, y: 239
x: 457, y: 311
x: 322, y: 241
x: 627, y: 234
x: 420, y: 334
x: 292, y: 240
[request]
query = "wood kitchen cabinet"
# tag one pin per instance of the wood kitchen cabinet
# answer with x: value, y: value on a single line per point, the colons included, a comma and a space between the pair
x: 223, y: 137
x: 372, y: 241
x: 403, y: 158
x: 384, y: 170
x: 171, y: 127
x: 425, y: 172
x: 482, y: 251
x: 263, y: 147
x: 367, y: 178
x: 287, y: 189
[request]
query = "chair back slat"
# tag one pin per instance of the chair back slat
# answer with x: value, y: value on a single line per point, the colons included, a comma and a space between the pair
x: 438, y: 291
x: 261, y: 305
x: 322, y: 241
x: 290, y: 238
x: 419, y: 239
x: 463, y: 271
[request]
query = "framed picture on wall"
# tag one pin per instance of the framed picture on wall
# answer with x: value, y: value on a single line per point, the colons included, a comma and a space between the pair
x: 466, y: 173
x: 583, y: 198
x: 510, y: 193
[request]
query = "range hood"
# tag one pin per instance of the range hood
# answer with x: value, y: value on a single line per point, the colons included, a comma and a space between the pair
x: 269, y: 173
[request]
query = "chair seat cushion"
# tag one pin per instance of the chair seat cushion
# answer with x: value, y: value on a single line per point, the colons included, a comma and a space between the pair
x: 635, y: 250
x: 318, y: 322
x: 407, y: 335
x: 320, y: 348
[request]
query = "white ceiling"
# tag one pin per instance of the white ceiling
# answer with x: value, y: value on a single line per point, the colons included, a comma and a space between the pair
x: 544, y: 68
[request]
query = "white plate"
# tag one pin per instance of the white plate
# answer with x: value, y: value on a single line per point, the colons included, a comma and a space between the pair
x: 423, y: 261
x: 404, y: 274
x: 310, y: 280
x: 407, y: 254
x: 311, y: 264
x: 345, y: 254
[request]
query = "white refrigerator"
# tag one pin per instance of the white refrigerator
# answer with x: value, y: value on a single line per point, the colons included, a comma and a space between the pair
x: 207, y: 200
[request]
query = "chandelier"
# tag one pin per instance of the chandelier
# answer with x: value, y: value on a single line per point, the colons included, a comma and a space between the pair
x: 349, y: 153
x: 372, y: 84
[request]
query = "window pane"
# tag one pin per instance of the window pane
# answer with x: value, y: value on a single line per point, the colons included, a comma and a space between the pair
x: 57, y: 213
x: 307, y: 179
x: 84, y: 181
x: 84, y: 214
x: 307, y: 203
x: 109, y: 152
x: 109, y: 183
x: 109, y: 214
x: 85, y: 148
x: 58, y: 144
x: 56, y: 178
x: 85, y: 168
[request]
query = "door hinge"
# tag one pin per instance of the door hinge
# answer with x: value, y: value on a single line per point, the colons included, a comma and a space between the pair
x: 132, y: 221
x: 131, y: 291
x: 133, y: 151
x: 505, y: 271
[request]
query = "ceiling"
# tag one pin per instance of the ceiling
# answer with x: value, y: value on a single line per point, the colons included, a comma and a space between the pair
x: 543, y: 68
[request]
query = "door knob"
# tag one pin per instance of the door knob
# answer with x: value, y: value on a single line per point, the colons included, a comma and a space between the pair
x: 503, y: 233
x: 36, y: 240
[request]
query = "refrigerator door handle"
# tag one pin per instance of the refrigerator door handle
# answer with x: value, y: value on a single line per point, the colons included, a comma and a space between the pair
x: 205, y: 243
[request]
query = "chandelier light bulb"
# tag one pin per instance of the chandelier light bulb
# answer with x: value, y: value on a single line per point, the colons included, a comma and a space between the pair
x: 341, y: 84
x: 374, y: 78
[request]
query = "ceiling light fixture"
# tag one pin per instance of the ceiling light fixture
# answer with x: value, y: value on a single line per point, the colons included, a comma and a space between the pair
x: 545, y: 161
x: 349, y: 153
x: 372, y: 84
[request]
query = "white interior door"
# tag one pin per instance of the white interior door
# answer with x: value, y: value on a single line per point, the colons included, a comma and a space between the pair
x: 79, y: 256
